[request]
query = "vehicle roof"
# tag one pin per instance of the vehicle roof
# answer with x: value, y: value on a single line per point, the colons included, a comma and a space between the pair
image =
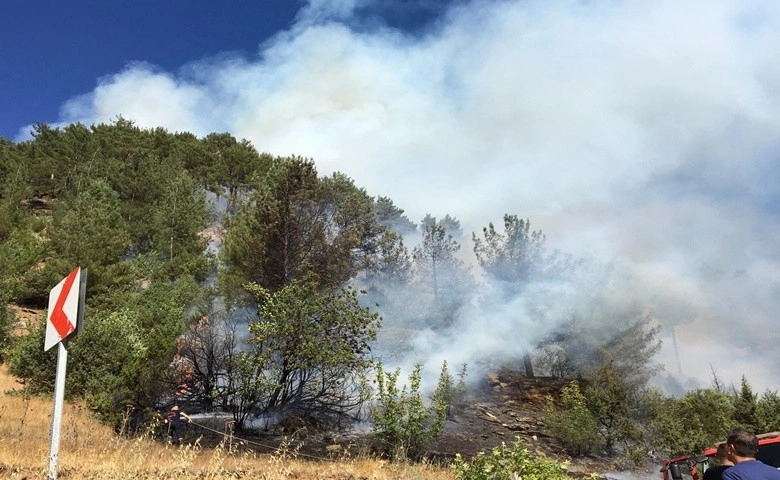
x: 763, y: 439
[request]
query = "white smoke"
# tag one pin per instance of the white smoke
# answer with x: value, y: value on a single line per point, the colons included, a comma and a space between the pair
x: 645, y: 134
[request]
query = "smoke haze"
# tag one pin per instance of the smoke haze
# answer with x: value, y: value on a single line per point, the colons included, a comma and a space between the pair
x: 643, y: 134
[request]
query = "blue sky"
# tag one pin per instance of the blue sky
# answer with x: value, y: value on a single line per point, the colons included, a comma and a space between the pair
x: 51, y: 51
x: 644, y: 135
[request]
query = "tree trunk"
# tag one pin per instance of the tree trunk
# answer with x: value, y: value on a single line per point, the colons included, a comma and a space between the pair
x: 529, y: 368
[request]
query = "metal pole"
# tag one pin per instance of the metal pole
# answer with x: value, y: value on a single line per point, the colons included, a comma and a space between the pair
x: 56, y: 421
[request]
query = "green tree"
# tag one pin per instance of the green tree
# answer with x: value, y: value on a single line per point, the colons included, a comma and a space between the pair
x: 441, y: 276
x: 105, y: 363
x: 630, y: 351
x: 768, y: 412
x: 612, y: 401
x: 392, y: 217
x: 297, y: 224
x: 7, y: 321
x: 514, y: 259
x: 231, y: 163
x: 15, y: 189
x: 28, y: 362
x: 21, y: 277
x: 89, y: 231
x: 122, y: 354
x: 689, y: 424
x: 572, y: 424
x: 178, y: 225
x: 392, y: 264
x: 308, y: 351
x: 580, y: 348
x: 518, y: 256
x: 745, y: 407
x: 449, y: 223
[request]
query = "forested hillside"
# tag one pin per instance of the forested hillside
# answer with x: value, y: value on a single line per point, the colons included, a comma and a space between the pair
x: 250, y: 283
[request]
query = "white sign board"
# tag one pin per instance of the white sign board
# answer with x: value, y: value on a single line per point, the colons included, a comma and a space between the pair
x: 62, y: 318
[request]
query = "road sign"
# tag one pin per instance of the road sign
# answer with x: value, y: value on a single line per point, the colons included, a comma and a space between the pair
x: 62, y: 318
x: 66, y: 315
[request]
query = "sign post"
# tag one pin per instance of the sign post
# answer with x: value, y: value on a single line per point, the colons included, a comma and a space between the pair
x: 65, y: 317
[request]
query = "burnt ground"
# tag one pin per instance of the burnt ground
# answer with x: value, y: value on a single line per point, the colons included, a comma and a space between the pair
x: 504, y: 406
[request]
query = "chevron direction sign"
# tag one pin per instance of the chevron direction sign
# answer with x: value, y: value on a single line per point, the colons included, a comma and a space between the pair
x: 65, y: 307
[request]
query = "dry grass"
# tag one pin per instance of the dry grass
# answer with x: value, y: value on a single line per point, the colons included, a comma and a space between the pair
x: 89, y: 450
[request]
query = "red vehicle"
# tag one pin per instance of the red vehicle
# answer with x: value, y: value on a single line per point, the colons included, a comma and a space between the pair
x: 693, y: 467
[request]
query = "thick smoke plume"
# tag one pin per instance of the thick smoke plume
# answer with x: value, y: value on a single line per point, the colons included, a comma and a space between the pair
x: 643, y: 134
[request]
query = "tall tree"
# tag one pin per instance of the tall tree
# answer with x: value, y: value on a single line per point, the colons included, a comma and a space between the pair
x: 297, y: 224
x: 440, y: 274
x: 518, y: 256
x: 232, y: 164
x: 89, y: 231
x: 393, y: 217
x: 514, y: 259
x: 746, y: 407
x: 392, y: 265
x: 768, y: 412
x: 699, y: 419
x: 450, y: 223
x: 176, y: 234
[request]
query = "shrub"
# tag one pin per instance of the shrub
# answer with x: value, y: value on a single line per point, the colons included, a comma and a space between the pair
x: 573, y: 425
x: 403, y: 425
x: 503, y: 462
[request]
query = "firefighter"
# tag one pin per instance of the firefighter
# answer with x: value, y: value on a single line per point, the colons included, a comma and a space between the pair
x: 177, y: 421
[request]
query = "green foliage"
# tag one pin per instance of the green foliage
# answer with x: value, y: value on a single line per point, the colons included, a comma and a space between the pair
x: 443, y: 279
x: 28, y: 362
x: 449, y: 392
x: 699, y: 419
x: 296, y: 224
x: 572, y: 424
x: 392, y: 217
x: 308, y: 351
x: 21, y: 278
x: 745, y: 407
x: 392, y: 265
x: 403, y: 424
x: 612, y: 400
x: 88, y: 231
x: 502, y: 463
x: 518, y: 256
x: 121, y: 354
x: 630, y: 351
x: 768, y: 412
x: 106, y: 361
x: 583, y: 348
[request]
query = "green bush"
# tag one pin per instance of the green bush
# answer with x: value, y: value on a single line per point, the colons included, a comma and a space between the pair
x: 573, y: 424
x: 503, y: 462
x: 403, y: 424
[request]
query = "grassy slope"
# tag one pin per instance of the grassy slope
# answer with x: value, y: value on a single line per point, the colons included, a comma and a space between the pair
x: 89, y: 450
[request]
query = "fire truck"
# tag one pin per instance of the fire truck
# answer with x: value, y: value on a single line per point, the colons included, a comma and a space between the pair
x: 686, y: 467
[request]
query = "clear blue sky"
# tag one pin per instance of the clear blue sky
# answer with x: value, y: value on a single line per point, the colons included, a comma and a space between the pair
x: 53, y: 50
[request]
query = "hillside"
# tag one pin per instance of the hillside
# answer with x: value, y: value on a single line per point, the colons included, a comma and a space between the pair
x: 505, y: 406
